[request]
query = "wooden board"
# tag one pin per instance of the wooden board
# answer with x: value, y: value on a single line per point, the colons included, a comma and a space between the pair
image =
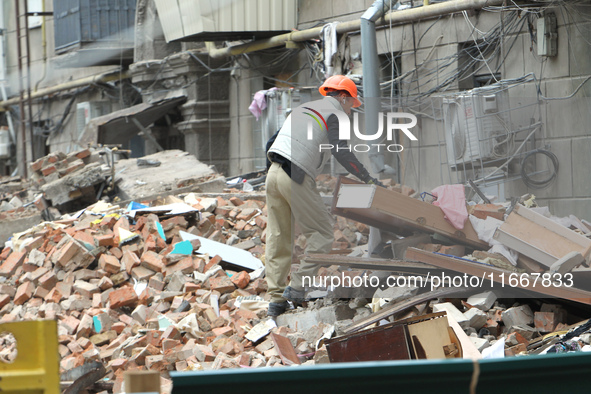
x: 370, y: 263
x: 539, y: 237
x: 498, y: 275
x: 395, y: 212
x: 406, y: 304
x: 469, y: 351
x: 432, y: 335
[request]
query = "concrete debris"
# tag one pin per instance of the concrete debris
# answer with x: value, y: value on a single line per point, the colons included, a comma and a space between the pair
x: 135, y: 306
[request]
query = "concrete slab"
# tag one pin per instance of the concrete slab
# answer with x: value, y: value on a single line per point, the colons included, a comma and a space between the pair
x: 304, y: 319
x: 176, y: 166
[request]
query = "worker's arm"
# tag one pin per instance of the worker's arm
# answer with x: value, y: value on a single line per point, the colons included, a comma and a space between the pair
x: 344, y: 155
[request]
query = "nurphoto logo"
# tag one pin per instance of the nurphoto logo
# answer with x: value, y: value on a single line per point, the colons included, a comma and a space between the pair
x: 392, y: 119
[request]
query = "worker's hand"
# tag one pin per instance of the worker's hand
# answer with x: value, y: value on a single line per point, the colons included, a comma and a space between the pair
x: 374, y: 181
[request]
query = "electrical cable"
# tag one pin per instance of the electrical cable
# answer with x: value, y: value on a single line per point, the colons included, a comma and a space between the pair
x: 539, y: 184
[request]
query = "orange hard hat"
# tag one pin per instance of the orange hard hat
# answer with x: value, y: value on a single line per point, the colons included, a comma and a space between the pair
x: 340, y: 82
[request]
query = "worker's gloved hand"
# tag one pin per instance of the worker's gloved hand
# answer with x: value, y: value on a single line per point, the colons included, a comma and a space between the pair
x: 374, y: 181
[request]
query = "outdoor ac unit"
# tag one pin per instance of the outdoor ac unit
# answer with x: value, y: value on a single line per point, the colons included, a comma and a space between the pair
x: 476, y: 124
x: 88, y: 110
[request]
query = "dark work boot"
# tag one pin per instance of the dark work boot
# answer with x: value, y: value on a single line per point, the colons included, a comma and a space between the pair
x: 298, y: 297
x: 277, y: 308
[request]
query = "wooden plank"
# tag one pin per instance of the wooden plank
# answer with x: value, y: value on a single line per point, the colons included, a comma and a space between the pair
x: 370, y: 263
x: 395, y: 212
x: 539, y: 237
x: 551, y: 225
x: 406, y: 304
x: 432, y: 335
x: 497, y: 275
x: 469, y: 351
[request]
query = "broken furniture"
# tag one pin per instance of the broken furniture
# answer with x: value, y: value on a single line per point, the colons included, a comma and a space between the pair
x: 395, y: 212
x: 539, y: 237
x: 420, y: 337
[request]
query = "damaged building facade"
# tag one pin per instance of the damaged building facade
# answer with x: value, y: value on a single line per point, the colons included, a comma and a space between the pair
x: 500, y: 93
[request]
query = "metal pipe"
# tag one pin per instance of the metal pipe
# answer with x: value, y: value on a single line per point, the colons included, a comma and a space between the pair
x: 21, y: 98
x: 105, y: 77
x: 408, y: 15
x: 371, y: 84
x: 43, y: 45
x: 371, y: 93
x: 29, y: 145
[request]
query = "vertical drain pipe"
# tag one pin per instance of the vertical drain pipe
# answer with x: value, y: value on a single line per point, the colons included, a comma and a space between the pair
x: 371, y: 90
x: 371, y: 83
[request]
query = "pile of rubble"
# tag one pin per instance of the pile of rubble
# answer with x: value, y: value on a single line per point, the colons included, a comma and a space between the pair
x: 63, y: 183
x: 128, y: 291
x: 510, y: 249
x: 179, y: 285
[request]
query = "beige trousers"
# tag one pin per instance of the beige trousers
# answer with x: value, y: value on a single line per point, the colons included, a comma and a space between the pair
x: 287, y: 202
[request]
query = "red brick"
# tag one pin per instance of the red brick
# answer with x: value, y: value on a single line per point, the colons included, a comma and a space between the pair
x: 116, y: 252
x: 124, y: 296
x: 545, y: 321
x: 83, y: 154
x: 191, y: 287
x: 48, y: 281
x: 261, y: 221
x: 174, y: 221
x: 109, y: 263
x: 24, y: 293
x: 153, y: 261
x: 105, y: 240
x: 108, y: 221
x: 236, y: 201
x: 482, y: 211
x: 54, y: 296
x: 212, y: 261
x: 141, y: 273
x: 241, y: 279
x: 5, y: 253
x: 35, y: 243
x: 223, y: 284
x: 185, y: 266
x: 4, y: 299
x: 150, y: 243
x: 40, y: 292
x: 130, y: 260
x: 37, y: 164
x: 15, y: 260
x: 171, y: 332
x: 48, y: 170
x: 73, y: 166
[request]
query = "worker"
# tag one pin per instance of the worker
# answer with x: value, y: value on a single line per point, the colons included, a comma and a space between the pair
x: 296, y: 160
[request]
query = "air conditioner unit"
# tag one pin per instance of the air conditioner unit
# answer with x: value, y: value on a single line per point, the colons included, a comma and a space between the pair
x: 477, y: 126
x: 88, y: 110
